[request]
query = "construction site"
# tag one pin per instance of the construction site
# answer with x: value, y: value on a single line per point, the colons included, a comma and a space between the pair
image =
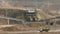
x: 28, y: 20
x: 23, y: 21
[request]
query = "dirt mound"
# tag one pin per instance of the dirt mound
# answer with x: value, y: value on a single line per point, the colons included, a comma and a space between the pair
x: 15, y: 28
x: 10, y: 29
x: 35, y: 24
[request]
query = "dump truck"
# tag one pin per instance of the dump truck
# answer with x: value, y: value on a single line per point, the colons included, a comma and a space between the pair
x: 44, y: 28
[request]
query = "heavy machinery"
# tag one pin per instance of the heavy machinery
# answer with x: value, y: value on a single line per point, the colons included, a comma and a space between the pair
x: 44, y: 28
x: 31, y: 16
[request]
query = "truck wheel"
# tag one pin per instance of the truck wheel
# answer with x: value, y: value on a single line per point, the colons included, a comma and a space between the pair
x: 41, y: 30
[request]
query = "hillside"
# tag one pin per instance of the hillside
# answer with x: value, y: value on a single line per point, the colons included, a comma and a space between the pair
x: 53, y: 4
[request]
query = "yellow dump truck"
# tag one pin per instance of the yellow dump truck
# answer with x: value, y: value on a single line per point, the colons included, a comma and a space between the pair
x: 44, y: 28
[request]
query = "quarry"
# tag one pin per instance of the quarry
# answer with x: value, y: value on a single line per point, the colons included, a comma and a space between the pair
x: 29, y: 17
